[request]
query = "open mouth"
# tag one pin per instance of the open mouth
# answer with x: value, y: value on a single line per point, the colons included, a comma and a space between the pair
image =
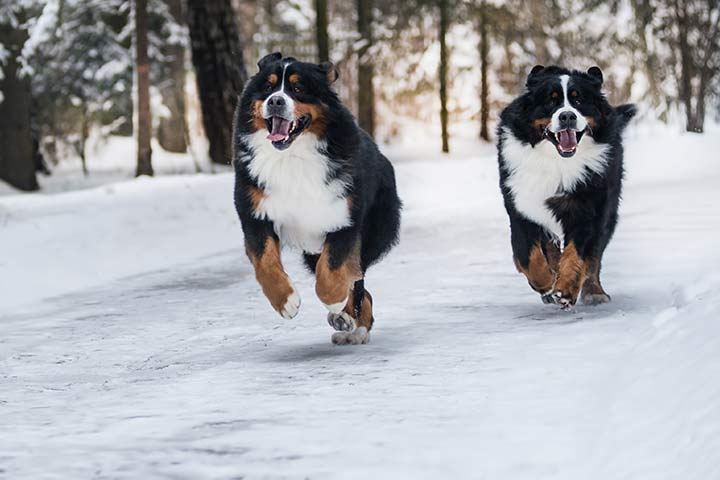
x: 566, y: 141
x: 283, y: 131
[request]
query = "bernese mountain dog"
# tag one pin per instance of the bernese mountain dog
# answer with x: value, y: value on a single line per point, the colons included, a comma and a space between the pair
x: 560, y: 154
x: 307, y: 176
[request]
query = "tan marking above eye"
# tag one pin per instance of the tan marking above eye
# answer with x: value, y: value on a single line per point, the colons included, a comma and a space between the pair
x: 273, y: 79
x: 574, y: 94
x: 294, y: 78
x: 555, y: 95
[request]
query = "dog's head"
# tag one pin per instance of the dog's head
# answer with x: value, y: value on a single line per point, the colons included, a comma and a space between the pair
x: 566, y: 105
x: 288, y: 98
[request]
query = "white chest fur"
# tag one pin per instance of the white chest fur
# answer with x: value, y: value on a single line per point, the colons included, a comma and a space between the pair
x: 300, y: 202
x: 538, y: 173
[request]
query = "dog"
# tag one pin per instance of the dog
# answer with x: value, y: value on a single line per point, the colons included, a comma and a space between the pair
x: 306, y: 176
x: 560, y: 155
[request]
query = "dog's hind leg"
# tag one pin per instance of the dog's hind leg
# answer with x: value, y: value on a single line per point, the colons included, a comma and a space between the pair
x: 593, y: 292
x: 355, y: 320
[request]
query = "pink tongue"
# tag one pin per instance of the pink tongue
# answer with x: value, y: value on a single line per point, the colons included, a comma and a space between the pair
x: 280, y: 129
x: 567, y: 140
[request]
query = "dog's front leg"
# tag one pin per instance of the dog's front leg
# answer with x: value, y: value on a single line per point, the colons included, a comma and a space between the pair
x: 263, y: 249
x: 575, y: 264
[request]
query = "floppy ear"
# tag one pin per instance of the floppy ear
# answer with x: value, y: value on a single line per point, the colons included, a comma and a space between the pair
x: 330, y: 71
x: 537, y: 69
x: 596, y: 73
x: 268, y: 59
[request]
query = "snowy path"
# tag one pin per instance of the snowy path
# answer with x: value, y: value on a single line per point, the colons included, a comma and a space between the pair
x: 185, y: 371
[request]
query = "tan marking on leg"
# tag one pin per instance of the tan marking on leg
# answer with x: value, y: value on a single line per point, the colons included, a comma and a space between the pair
x: 271, y: 275
x: 572, y: 274
x: 333, y: 285
x: 592, y: 291
x: 553, y: 254
x: 366, y: 314
x: 538, y: 271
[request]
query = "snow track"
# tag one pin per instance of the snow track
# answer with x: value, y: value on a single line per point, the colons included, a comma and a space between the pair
x: 175, y: 366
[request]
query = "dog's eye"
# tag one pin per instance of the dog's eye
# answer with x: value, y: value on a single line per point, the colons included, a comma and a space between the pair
x: 269, y: 87
x: 297, y: 89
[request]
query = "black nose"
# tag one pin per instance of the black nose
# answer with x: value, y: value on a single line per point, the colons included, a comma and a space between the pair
x: 276, y: 101
x: 567, y: 119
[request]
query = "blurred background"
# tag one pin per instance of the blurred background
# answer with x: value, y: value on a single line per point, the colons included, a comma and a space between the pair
x: 98, y: 87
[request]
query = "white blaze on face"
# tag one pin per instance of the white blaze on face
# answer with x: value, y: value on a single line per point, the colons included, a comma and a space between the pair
x: 567, y: 107
x: 289, y: 112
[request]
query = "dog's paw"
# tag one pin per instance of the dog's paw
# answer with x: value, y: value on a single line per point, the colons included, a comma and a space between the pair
x: 547, y: 299
x: 358, y: 336
x: 291, y: 306
x: 565, y: 300
x: 342, y: 322
x: 595, y: 298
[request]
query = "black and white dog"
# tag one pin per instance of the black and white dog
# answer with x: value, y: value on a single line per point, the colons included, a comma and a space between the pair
x: 307, y: 176
x: 561, y: 168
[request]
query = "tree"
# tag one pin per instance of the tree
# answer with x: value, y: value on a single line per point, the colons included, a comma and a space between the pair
x: 443, y: 70
x: 366, y: 93
x: 697, y: 44
x: 217, y: 57
x: 321, y: 30
x: 144, y: 116
x: 484, y: 48
x: 81, y: 71
x: 17, y: 165
x: 172, y: 131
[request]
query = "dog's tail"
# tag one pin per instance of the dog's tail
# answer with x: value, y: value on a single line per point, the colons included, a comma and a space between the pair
x: 625, y: 113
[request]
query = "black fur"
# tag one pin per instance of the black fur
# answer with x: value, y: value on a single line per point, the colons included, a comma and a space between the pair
x: 351, y: 154
x: 589, y: 213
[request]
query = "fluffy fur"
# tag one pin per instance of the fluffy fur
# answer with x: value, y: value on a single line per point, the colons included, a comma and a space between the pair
x: 307, y: 176
x: 561, y: 167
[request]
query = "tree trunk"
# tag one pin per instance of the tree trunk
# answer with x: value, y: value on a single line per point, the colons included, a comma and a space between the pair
x: 366, y: 69
x: 443, y: 74
x: 84, y: 134
x: 172, y: 129
x: 484, y: 93
x: 692, y: 122
x: 144, y: 123
x: 17, y: 163
x: 220, y: 72
x: 321, y: 30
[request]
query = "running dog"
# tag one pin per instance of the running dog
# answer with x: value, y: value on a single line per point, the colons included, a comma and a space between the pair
x: 307, y: 176
x: 560, y: 154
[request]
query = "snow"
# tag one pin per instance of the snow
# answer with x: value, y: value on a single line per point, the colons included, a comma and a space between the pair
x: 135, y: 342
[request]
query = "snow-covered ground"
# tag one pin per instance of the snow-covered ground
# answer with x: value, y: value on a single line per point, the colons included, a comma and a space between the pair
x: 135, y: 343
